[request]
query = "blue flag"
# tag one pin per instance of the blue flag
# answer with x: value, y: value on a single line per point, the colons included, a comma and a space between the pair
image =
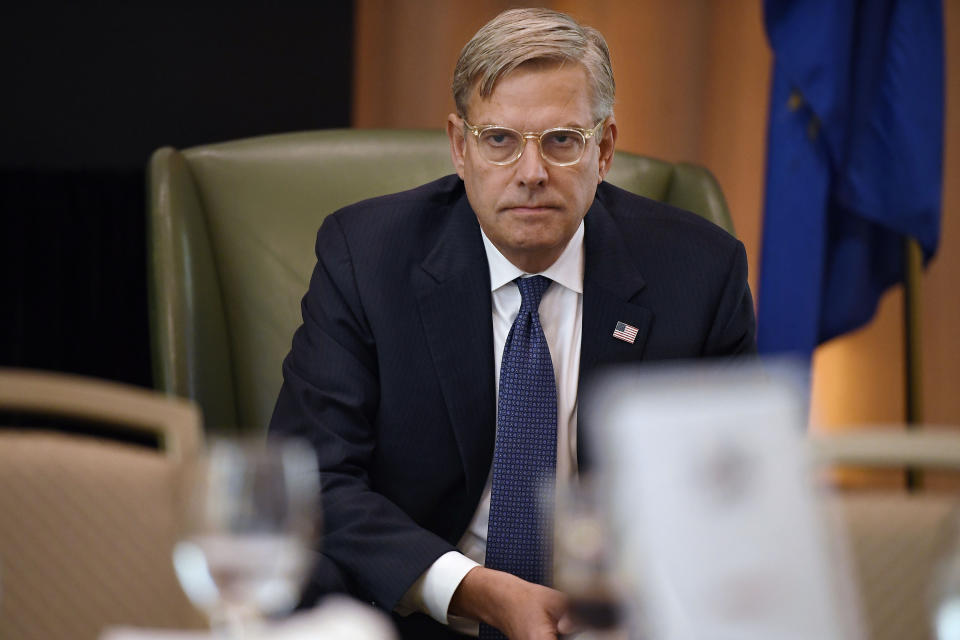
x: 854, y: 161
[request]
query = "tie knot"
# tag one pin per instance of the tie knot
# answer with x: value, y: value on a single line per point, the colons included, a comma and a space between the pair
x: 531, y: 290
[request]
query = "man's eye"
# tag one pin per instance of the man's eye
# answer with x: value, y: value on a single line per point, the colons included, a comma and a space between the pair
x: 561, y: 138
x: 497, y: 139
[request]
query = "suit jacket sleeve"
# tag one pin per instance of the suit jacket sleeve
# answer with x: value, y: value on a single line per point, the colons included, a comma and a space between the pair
x: 733, y: 331
x: 330, y: 397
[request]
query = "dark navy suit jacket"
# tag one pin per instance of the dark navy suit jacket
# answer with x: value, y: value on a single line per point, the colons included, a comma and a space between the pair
x: 391, y: 375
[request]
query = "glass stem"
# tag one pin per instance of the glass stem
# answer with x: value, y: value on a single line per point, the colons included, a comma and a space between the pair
x: 235, y: 622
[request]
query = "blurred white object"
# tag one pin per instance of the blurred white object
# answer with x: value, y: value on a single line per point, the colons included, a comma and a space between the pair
x: 336, y: 618
x: 713, y: 514
x: 946, y: 609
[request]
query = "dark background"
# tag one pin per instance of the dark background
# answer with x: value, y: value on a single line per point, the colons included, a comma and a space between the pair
x: 88, y: 92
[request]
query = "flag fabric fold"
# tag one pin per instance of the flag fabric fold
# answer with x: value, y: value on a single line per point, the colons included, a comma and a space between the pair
x: 854, y: 161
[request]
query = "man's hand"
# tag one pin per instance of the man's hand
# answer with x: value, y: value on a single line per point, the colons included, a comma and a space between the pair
x: 520, y: 609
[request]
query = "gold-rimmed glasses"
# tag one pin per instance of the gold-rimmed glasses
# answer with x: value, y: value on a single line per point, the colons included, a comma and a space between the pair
x: 560, y: 146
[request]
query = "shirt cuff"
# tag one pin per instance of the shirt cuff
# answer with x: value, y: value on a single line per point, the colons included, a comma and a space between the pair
x: 434, y: 589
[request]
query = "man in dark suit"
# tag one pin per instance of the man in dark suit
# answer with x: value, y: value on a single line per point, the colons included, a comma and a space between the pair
x: 395, y: 374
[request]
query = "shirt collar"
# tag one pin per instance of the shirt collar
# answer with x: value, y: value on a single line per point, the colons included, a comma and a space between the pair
x: 567, y: 270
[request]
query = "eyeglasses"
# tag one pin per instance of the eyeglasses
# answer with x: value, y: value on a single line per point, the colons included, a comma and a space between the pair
x: 561, y: 147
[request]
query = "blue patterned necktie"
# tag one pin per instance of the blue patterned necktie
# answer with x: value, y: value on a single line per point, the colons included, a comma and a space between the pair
x: 519, y: 538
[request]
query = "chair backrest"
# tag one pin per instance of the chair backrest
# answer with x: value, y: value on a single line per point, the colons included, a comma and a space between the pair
x: 88, y: 524
x: 232, y: 230
x: 897, y: 539
x: 175, y: 424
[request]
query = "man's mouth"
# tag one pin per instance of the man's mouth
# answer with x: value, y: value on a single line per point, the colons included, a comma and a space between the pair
x: 530, y: 208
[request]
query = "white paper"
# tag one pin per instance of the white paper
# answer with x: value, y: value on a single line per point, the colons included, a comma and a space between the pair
x: 715, y: 520
x: 335, y: 618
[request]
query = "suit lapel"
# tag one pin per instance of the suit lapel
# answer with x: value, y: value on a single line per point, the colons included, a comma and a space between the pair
x: 611, y: 284
x: 453, y: 293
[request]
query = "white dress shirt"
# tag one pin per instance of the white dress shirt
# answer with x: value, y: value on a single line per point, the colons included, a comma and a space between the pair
x: 561, y: 314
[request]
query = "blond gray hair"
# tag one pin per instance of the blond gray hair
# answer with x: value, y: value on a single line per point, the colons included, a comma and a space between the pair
x: 521, y: 36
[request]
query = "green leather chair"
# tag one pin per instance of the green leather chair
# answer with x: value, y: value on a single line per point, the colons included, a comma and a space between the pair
x: 231, y: 246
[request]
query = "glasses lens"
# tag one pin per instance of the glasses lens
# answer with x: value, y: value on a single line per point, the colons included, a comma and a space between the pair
x: 499, y: 145
x: 562, y: 146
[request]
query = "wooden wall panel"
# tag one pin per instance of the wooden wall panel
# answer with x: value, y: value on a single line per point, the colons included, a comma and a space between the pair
x: 734, y: 115
x: 404, y: 57
x: 693, y: 80
x: 658, y: 57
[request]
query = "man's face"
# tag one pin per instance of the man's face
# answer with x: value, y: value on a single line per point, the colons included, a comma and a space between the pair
x: 530, y: 209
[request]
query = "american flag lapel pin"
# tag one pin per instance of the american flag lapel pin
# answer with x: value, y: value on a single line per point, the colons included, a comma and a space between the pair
x: 625, y: 332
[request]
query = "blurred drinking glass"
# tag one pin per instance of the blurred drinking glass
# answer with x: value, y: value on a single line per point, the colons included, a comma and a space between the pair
x: 582, y: 567
x: 251, y: 513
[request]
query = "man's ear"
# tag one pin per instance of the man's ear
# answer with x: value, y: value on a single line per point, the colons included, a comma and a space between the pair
x: 458, y: 142
x: 607, y: 143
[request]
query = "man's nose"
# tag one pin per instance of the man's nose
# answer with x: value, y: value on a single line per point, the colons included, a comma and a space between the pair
x: 531, y: 167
